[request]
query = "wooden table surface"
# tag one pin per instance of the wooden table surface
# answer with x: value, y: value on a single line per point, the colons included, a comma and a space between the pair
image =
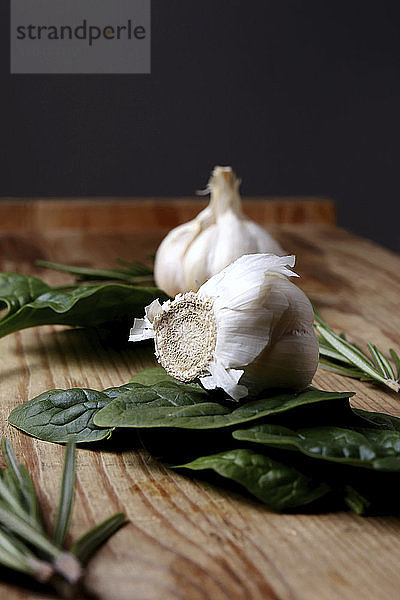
x: 188, y: 539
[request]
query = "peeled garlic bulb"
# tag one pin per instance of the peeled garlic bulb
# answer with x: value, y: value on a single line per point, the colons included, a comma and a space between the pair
x: 248, y: 324
x: 192, y: 253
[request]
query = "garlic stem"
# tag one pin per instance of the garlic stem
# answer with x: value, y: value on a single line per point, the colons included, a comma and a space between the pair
x: 192, y: 253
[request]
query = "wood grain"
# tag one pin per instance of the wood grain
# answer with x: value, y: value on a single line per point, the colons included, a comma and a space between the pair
x: 128, y: 214
x: 188, y: 539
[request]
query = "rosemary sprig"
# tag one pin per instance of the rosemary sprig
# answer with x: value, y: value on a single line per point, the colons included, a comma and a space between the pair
x: 129, y: 272
x: 17, y: 491
x: 20, y: 479
x: 24, y: 544
x: 338, y: 355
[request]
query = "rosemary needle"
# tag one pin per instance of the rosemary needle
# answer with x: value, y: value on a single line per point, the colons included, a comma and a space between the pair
x: 24, y: 544
x: 340, y: 356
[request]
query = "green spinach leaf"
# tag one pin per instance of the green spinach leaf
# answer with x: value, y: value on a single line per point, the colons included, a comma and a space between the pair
x: 159, y: 375
x: 31, y: 303
x: 377, y: 419
x: 356, y: 501
x: 371, y: 448
x: 279, y: 486
x: 17, y: 290
x: 152, y: 399
x: 161, y: 401
x: 62, y: 416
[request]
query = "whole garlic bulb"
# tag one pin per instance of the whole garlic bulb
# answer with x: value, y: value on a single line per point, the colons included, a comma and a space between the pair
x: 191, y: 253
x: 248, y: 324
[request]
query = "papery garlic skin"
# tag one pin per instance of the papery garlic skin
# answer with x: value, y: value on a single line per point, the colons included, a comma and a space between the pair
x: 247, y: 329
x: 192, y: 253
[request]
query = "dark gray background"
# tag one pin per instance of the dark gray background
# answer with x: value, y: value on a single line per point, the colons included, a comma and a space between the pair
x: 300, y: 97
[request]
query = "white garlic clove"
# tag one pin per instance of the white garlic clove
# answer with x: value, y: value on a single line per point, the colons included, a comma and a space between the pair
x: 192, y: 253
x: 247, y: 329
